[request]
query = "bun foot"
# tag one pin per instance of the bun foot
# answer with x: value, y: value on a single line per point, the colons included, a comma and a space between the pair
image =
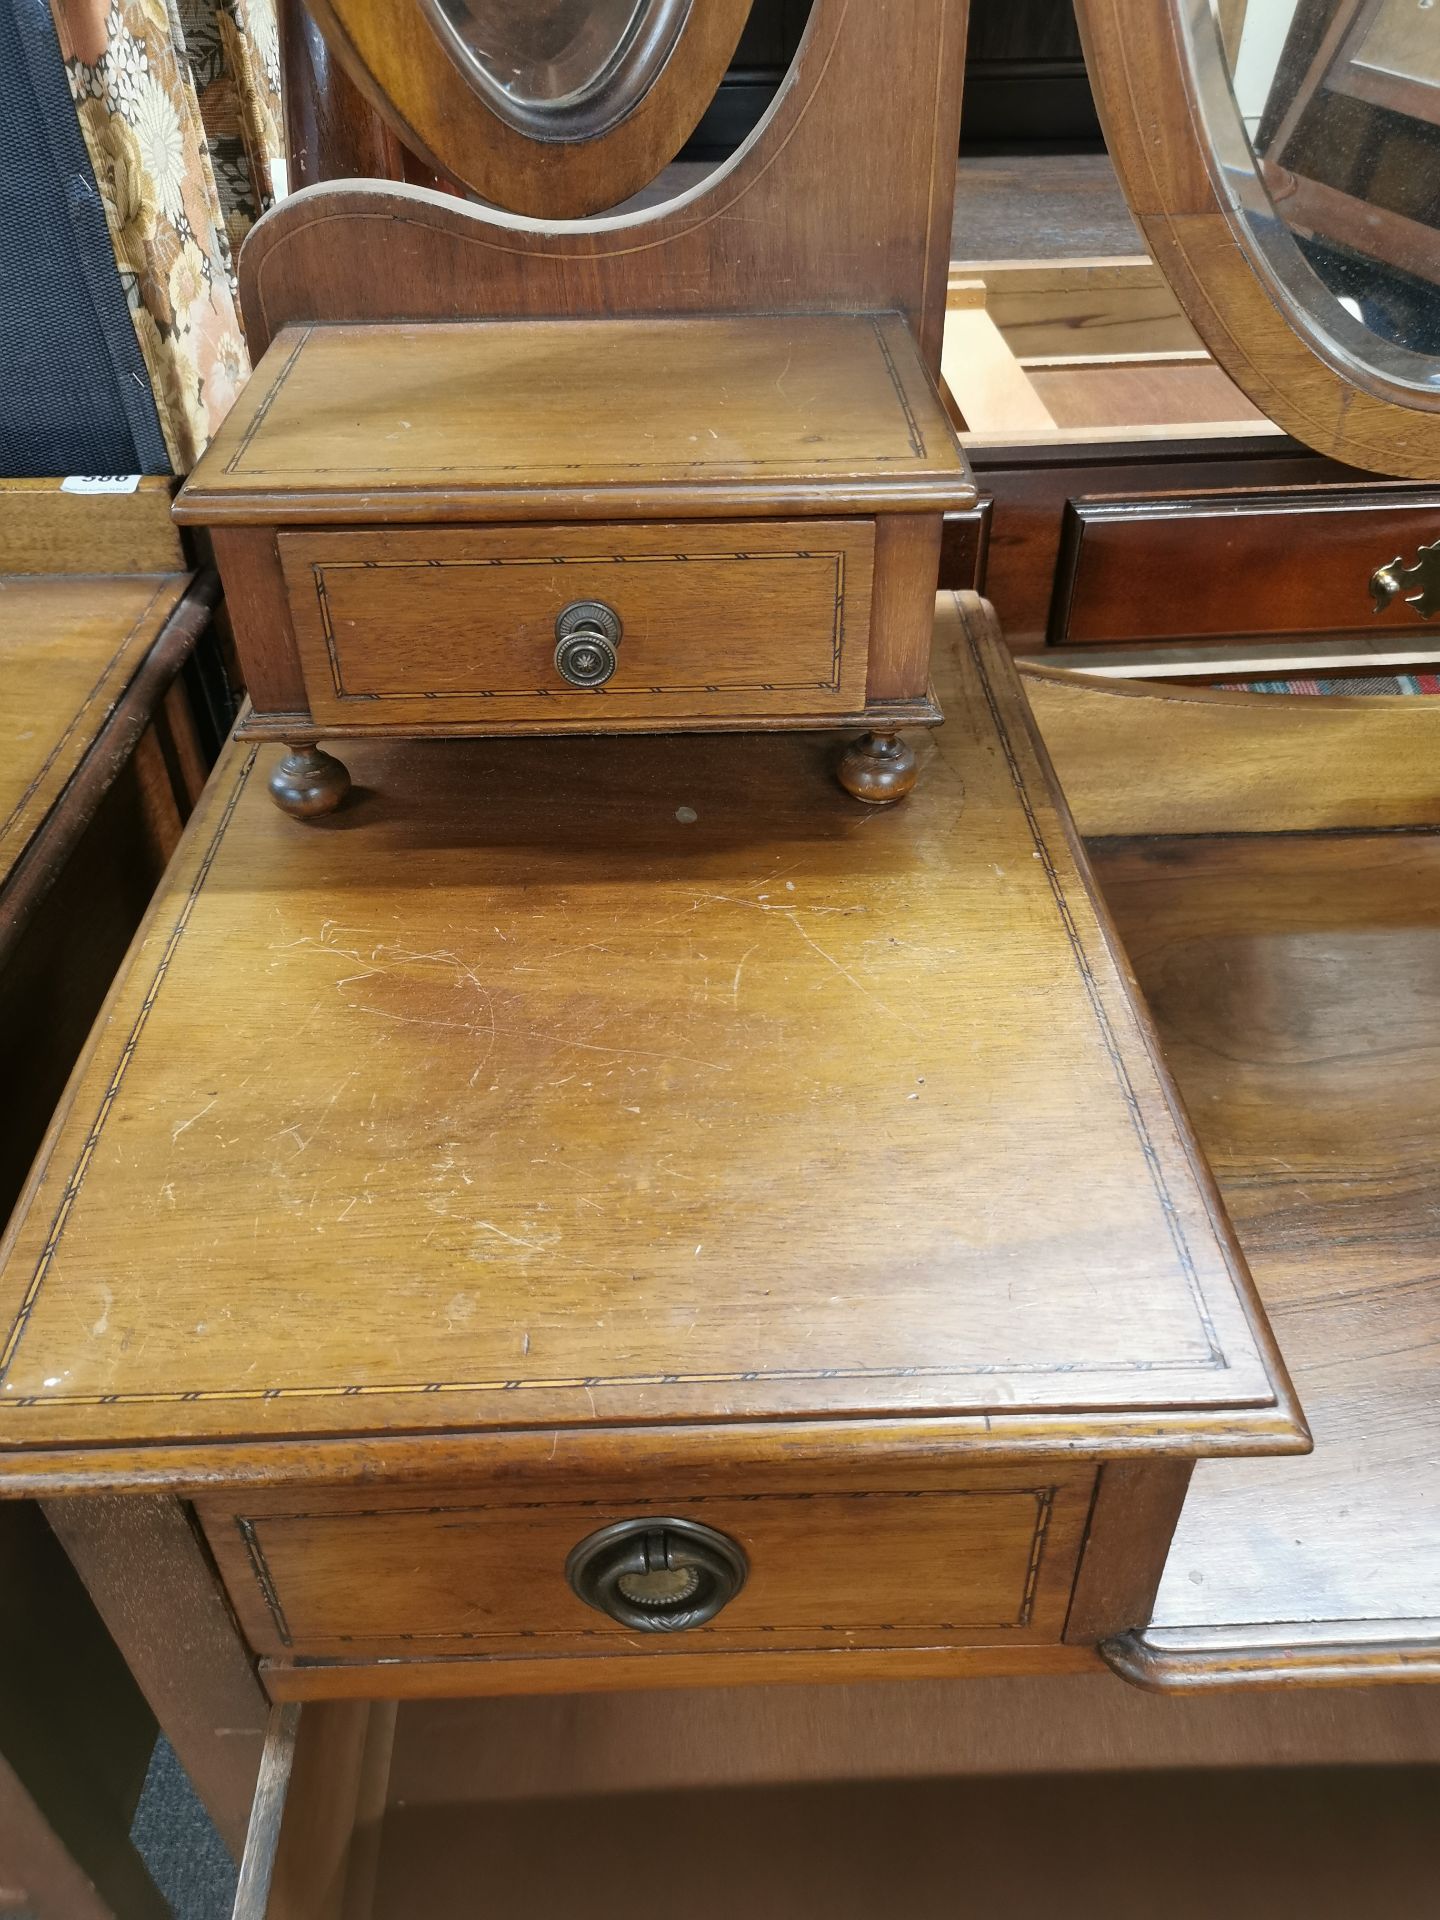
x: 308, y: 783
x: 878, y: 768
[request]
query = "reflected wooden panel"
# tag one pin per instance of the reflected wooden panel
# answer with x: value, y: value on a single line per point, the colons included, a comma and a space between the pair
x: 1296, y: 982
x: 1140, y: 758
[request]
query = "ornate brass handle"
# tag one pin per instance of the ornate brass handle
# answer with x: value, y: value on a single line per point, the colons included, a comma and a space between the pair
x: 657, y: 1576
x: 1418, y: 584
x: 587, y: 643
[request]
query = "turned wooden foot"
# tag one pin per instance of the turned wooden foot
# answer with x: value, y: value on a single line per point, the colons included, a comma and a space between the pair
x: 878, y: 768
x: 308, y: 783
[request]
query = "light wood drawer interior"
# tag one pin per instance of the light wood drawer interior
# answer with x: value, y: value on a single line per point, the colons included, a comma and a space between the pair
x: 427, y: 1575
x: 443, y: 626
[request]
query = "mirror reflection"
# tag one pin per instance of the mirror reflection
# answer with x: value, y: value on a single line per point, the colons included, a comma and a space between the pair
x: 1325, y: 118
x: 561, y: 69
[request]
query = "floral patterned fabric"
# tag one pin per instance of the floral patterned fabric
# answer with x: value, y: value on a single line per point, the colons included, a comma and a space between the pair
x: 233, y: 50
x: 130, y: 76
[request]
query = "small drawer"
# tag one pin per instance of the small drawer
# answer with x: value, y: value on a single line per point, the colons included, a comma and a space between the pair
x: 1181, y: 568
x: 445, y: 627
x: 990, y: 1560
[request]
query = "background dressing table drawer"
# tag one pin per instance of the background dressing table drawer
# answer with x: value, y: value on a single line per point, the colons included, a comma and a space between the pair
x: 724, y: 621
x: 364, y: 1577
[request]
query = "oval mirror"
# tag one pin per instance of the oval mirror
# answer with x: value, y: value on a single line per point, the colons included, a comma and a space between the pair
x: 561, y: 69
x: 1283, y: 157
x: 554, y: 109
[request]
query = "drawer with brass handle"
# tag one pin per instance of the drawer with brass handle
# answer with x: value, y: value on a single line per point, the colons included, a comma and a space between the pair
x: 351, y: 1580
x: 581, y: 626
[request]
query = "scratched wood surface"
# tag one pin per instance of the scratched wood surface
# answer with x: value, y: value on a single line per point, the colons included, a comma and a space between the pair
x: 584, y: 418
x: 612, y: 1084
x: 68, y: 645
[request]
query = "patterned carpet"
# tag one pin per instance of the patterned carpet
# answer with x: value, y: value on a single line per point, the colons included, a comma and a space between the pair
x: 1380, y: 683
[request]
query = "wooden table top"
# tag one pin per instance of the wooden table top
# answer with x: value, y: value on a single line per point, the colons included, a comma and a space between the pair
x: 590, y: 419
x: 627, y: 1087
x: 1296, y: 981
x: 69, y: 644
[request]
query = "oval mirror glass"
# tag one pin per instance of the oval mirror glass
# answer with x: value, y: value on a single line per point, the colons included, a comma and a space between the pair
x: 560, y: 69
x: 1323, y: 119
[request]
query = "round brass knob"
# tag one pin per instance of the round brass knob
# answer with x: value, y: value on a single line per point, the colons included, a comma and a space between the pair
x: 587, y: 641
x: 657, y: 1576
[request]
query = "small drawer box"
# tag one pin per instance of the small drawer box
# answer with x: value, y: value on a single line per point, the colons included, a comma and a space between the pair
x: 716, y: 621
x: 352, y: 1577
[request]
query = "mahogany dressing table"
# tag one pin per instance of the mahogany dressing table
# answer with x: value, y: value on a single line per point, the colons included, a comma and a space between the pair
x: 642, y: 1220
x: 665, y: 1140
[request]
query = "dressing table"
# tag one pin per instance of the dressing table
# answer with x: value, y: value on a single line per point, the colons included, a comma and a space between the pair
x: 643, y: 1220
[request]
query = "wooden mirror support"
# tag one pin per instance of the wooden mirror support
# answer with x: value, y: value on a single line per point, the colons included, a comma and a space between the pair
x: 1146, y: 91
x: 399, y: 55
x: 678, y: 470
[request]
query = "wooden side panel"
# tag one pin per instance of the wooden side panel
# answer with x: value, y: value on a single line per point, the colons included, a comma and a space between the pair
x: 46, y: 530
x: 260, y: 615
x: 309, y: 1849
x: 902, y: 631
x: 1126, y: 1543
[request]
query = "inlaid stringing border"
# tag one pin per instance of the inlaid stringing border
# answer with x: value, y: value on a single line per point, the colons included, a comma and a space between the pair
x: 919, y: 449
x: 247, y: 1527
x: 1214, y: 1360
x: 320, y: 568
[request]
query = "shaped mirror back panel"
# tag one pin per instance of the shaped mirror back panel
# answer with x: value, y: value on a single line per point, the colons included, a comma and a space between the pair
x: 1283, y: 158
x: 553, y: 109
x: 837, y: 200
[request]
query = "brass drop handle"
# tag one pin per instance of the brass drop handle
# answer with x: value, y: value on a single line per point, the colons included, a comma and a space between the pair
x: 657, y: 1576
x: 1419, y: 585
x: 587, y: 643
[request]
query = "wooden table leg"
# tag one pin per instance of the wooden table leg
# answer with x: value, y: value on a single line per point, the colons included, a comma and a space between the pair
x: 150, y: 1578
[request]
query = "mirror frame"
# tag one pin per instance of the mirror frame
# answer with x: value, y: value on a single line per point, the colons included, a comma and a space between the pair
x: 1155, y: 129
x: 398, y: 58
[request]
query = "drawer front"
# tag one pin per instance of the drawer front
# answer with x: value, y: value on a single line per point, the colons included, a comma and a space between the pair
x: 1216, y: 567
x: 434, y: 628
x: 989, y: 1561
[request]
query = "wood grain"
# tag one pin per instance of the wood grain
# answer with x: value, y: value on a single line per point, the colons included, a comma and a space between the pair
x: 1116, y: 304
x: 586, y: 420
x: 45, y: 530
x: 506, y: 1751
x: 990, y: 1558
x: 719, y: 619
x: 68, y: 647
x: 902, y: 622
x: 152, y: 1584
x: 1294, y: 982
x: 465, y: 1677
x: 401, y: 1186
x: 832, y: 208
x: 395, y: 56
x: 1204, y: 760
x: 1126, y: 1543
x: 304, y: 1853
x: 1276, y: 562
